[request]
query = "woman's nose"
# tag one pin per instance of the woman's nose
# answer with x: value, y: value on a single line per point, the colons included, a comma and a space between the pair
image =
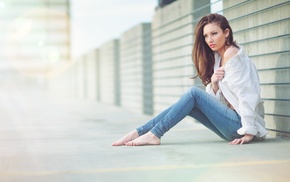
x: 209, y: 39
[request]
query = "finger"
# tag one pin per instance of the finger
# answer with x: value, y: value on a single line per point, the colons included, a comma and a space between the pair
x: 238, y: 141
x: 220, y: 77
x: 235, y: 142
x: 220, y: 72
x: 242, y: 141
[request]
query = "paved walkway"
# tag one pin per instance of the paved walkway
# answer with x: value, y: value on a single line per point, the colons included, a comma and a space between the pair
x: 44, y: 138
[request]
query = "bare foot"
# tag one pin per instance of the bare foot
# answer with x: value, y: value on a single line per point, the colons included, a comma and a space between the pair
x: 147, y: 139
x: 129, y: 137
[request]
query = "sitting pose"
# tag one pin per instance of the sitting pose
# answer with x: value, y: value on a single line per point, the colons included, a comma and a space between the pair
x: 231, y: 106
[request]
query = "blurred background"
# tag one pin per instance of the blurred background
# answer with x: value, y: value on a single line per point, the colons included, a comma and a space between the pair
x: 137, y: 54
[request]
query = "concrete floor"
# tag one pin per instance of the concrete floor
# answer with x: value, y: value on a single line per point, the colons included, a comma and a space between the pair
x: 45, y: 138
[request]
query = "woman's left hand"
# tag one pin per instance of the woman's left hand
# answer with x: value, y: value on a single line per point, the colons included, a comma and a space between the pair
x: 245, y: 139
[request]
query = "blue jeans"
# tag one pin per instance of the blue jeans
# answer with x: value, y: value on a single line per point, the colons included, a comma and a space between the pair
x: 203, y: 107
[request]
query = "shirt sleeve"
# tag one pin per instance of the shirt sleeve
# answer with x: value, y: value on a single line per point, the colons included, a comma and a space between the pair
x: 244, y: 83
x: 210, y: 91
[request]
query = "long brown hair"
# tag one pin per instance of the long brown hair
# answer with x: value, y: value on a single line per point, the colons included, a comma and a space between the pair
x: 202, y: 55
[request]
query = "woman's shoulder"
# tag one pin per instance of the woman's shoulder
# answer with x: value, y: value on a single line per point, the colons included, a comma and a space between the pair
x: 230, y: 52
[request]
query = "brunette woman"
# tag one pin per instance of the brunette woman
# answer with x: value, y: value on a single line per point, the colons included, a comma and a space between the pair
x: 231, y: 105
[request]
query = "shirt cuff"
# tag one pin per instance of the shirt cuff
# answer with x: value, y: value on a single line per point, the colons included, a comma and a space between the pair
x: 251, y: 130
x: 211, y: 92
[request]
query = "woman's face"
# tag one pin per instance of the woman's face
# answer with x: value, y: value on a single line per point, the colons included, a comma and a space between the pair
x: 214, y: 36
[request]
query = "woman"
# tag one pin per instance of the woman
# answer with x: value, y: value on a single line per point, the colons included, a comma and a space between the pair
x: 231, y: 106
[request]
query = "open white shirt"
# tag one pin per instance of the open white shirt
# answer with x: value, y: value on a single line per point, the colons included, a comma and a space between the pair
x: 240, y: 87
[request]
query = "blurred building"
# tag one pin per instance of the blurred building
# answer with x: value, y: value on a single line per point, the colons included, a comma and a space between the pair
x: 172, y: 40
x: 34, y: 37
x: 109, y: 72
x: 162, y: 3
x: 136, y: 69
x: 150, y: 66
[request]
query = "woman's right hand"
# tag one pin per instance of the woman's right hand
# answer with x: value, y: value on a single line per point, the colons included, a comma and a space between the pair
x: 216, y: 77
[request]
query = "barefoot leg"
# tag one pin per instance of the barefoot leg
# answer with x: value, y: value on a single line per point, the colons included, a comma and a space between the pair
x: 147, y: 139
x: 128, y: 137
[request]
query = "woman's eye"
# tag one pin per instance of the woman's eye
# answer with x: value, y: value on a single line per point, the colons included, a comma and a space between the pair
x: 214, y: 33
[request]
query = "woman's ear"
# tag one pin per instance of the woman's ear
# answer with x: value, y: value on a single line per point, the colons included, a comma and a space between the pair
x: 227, y: 32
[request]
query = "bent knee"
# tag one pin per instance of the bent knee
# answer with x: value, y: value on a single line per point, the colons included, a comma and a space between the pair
x: 194, y: 90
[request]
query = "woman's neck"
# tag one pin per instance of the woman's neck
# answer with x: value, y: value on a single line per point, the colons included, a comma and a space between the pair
x: 222, y: 51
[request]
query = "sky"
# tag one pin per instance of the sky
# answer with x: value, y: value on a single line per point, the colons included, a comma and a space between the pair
x: 94, y: 22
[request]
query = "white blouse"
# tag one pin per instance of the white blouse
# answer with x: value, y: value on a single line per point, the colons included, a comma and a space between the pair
x: 240, y: 87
